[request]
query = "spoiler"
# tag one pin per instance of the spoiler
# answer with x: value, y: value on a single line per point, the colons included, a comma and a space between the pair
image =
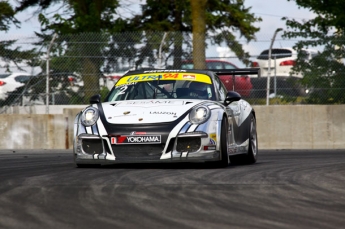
x: 238, y: 71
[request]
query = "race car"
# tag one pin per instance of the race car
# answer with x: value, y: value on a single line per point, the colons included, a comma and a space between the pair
x: 160, y: 116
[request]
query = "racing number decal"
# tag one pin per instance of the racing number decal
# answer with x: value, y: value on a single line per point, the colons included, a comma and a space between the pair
x: 170, y: 76
x: 122, y: 90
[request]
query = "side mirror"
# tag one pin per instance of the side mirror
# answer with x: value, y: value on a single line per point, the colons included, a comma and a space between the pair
x: 231, y: 96
x: 95, y: 99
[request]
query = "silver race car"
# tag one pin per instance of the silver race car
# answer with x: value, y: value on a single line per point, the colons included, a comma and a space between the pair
x: 167, y: 116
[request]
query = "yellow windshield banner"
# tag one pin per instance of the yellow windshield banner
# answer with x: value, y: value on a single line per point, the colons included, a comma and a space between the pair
x: 163, y: 76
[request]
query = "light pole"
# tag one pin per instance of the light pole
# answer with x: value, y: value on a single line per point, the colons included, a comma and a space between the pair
x: 269, y: 66
x: 47, y: 71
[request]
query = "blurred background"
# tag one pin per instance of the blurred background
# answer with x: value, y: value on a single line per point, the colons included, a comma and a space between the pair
x: 74, y: 51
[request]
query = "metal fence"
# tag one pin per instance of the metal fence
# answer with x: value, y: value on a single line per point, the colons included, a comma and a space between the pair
x: 70, y: 69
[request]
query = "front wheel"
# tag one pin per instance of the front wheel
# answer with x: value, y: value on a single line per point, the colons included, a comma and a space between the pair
x: 252, y: 154
x: 225, y: 161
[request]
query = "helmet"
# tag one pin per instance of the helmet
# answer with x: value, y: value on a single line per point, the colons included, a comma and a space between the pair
x: 199, y: 90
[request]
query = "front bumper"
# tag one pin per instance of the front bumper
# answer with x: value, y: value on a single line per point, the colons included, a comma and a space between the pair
x: 94, y: 149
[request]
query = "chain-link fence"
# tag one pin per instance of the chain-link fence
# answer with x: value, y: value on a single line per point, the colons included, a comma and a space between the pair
x: 70, y: 69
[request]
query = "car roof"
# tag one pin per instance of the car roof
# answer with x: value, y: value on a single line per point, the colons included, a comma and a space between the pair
x: 143, y: 71
x: 291, y: 49
x: 211, y: 73
x: 5, y: 75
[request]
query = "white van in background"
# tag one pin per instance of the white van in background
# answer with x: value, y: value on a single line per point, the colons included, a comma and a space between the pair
x: 282, y: 60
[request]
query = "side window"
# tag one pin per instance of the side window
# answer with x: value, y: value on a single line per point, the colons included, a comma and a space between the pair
x: 22, y: 78
x: 214, y: 65
x: 229, y: 66
x: 220, y: 89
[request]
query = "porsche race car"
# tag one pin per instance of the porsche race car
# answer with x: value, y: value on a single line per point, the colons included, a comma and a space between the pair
x: 162, y: 116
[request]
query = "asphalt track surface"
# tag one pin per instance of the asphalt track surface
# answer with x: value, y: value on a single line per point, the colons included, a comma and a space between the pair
x: 284, y: 189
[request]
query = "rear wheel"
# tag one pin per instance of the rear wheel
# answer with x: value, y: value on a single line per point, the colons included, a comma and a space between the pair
x: 253, y: 142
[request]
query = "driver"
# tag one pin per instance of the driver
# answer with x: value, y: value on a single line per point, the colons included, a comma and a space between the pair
x: 198, y: 90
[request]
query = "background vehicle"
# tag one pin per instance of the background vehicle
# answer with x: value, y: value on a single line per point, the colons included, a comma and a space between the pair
x: 282, y: 60
x: 242, y: 84
x: 9, y: 82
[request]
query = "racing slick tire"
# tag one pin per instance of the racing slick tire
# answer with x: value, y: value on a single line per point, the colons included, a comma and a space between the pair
x: 225, y: 160
x: 252, y: 153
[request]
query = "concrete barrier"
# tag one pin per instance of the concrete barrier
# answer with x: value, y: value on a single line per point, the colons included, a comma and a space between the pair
x: 301, y: 126
x: 279, y: 127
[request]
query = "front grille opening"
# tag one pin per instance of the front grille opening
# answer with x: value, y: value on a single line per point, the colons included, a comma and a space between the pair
x: 138, y: 151
x: 190, y: 144
x: 92, y: 146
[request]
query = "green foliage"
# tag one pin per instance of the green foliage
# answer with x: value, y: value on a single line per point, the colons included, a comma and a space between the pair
x: 7, y: 16
x: 324, y: 75
x: 224, y: 20
x: 228, y: 18
x: 9, y: 54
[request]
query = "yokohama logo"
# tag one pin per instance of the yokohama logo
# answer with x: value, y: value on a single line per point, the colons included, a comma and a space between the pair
x: 143, y: 139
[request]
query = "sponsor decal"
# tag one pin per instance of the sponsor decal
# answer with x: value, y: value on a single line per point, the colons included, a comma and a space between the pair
x: 170, y: 70
x: 139, y: 139
x: 143, y: 78
x: 213, y: 147
x: 161, y: 75
x: 127, y: 115
x: 137, y: 133
x: 124, y: 84
x: 151, y: 102
x: 189, y: 77
x: 213, y: 138
x: 163, y: 113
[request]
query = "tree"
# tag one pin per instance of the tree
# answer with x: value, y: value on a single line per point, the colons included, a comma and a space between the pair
x: 170, y: 17
x: 324, y: 74
x: 9, y: 54
x: 228, y: 19
x: 199, y: 32
x: 225, y: 21
x: 89, y: 21
x: 7, y: 16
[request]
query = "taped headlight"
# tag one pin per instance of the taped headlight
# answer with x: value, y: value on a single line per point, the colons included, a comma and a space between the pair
x: 89, y: 116
x: 199, y: 115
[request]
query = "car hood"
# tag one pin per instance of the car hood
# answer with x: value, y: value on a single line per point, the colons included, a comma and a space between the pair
x: 146, y: 111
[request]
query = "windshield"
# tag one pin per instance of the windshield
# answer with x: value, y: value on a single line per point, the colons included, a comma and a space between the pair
x: 162, y: 86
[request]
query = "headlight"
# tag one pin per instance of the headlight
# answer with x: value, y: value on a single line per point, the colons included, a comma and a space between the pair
x: 89, y: 116
x: 199, y: 115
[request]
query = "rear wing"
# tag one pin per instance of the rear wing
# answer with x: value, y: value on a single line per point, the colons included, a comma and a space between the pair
x: 235, y: 72
x: 238, y: 71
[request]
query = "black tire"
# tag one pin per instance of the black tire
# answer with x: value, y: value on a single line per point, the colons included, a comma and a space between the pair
x: 225, y: 161
x: 252, y: 154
